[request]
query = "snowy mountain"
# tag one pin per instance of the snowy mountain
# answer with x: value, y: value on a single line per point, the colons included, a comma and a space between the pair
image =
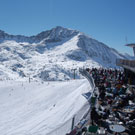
x: 52, y: 54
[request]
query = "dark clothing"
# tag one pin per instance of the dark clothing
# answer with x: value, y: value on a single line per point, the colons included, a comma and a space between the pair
x: 94, y: 116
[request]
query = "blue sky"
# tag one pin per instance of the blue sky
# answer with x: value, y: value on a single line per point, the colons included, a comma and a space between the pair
x: 108, y: 21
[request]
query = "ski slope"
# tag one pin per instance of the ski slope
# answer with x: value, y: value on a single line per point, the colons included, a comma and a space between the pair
x: 39, y: 108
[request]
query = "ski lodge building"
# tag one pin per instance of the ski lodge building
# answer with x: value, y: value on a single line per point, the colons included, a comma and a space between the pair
x: 129, y: 66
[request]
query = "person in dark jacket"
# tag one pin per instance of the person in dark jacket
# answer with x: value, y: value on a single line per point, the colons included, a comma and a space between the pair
x: 94, y: 116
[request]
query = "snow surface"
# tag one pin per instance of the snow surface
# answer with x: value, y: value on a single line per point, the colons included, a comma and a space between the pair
x: 40, y: 108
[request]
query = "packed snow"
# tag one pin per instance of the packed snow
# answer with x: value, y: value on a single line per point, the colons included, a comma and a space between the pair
x: 40, y: 108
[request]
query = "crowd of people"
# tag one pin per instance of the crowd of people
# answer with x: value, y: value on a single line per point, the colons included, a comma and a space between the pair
x: 114, y: 101
x: 114, y: 96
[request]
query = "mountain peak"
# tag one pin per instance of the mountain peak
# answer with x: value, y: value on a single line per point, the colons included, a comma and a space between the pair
x: 60, y: 28
x: 64, y: 32
x: 3, y: 34
x: 56, y: 34
x: 1, y: 31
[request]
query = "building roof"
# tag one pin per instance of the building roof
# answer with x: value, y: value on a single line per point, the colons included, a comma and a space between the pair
x: 131, y: 45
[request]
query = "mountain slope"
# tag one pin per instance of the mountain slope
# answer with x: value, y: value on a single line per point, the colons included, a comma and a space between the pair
x: 52, y: 54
